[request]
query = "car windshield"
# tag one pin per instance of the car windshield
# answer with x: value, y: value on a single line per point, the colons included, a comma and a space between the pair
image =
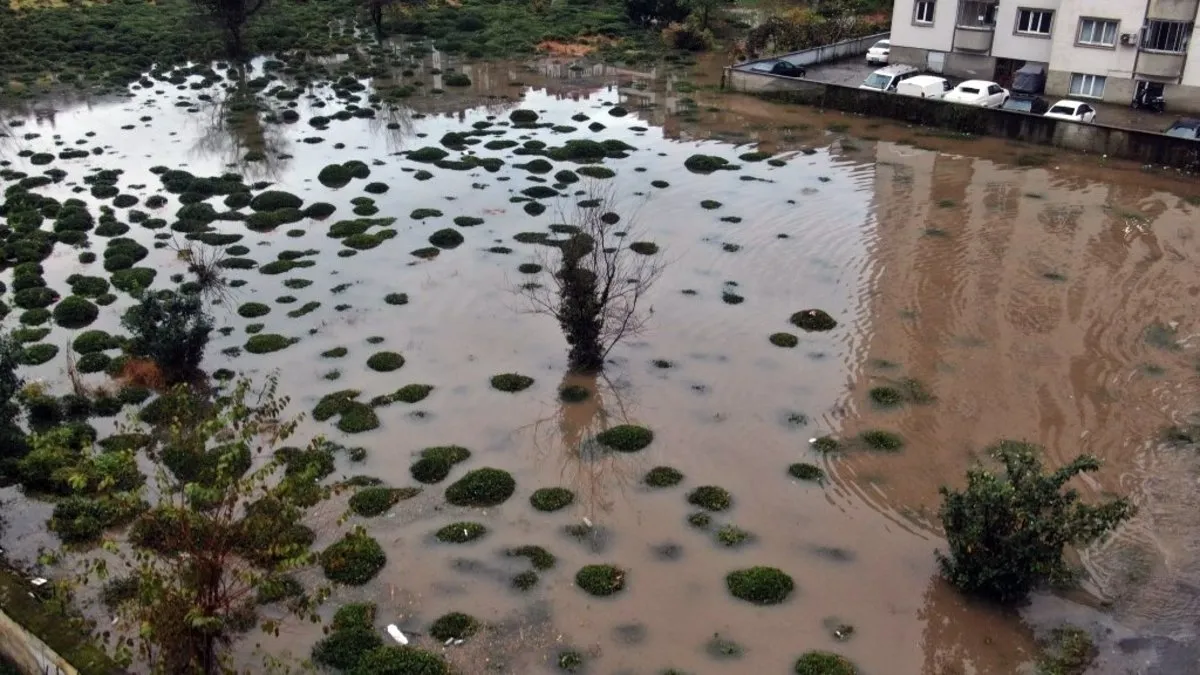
x: 968, y: 90
x: 877, y: 81
x: 1182, y: 132
x: 1062, y: 110
x: 1018, y: 104
x: 765, y: 65
x: 882, y: 44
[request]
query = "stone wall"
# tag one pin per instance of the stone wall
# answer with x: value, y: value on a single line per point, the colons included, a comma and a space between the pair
x: 1141, y: 146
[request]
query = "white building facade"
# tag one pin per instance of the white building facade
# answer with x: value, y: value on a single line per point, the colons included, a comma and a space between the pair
x: 1090, y: 49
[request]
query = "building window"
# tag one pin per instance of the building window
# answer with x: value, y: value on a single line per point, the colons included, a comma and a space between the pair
x: 1091, y: 86
x: 923, y: 11
x: 1034, y: 21
x: 1166, y: 36
x: 1097, y: 32
x: 977, y: 14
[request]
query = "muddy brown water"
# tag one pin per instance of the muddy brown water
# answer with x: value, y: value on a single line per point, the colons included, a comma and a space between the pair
x: 1019, y: 296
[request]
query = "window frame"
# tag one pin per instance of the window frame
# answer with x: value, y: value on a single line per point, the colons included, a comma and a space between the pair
x: 1093, y: 79
x: 1032, y: 11
x: 990, y: 9
x: 1182, y: 36
x: 917, y: 20
x: 1098, y: 22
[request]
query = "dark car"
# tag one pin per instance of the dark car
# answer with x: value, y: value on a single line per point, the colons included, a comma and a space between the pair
x: 780, y: 67
x: 1186, y: 127
x: 1035, y: 105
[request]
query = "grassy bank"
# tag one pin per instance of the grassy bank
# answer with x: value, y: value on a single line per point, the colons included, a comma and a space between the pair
x: 62, y: 634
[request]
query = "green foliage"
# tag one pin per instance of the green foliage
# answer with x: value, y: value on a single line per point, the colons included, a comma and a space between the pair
x: 732, y: 536
x: 172, y: 331
x: 400, y: 661
x: 551, y: 499
x: 1006, y: 532
x: 1067, y: 650
x: 460, y: 533
x: 539, y: 557
x: 879, y: 439
x: 813, y: 320
x: 760, y: 585
x: 253, y: 310
x: 625, y: 438
x: 354, y: 615
x: 482, y: 487
x: 710, y: 497
x: 454, y: 626
x: 600, y: 580
x: 708, y: 164
x: 272, y: 200
x: 817, y: 662
x: 344, y: 648
x: 357, y: 418
x: 446, y: 238
x: 805, y: 471
x: 785, y: 340
x: 511, y: 382
x: 353, y: 560
x: 91, y: 341
x: 265, y: 343
x: 385, y: 361
x: 662, y: 476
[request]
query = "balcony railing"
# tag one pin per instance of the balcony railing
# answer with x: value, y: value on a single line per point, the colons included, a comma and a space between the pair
x: 1158, y: 64
x: 972, y: 39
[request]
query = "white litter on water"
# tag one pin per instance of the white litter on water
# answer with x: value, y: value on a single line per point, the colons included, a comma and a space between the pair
x: 398, y: 636
x: 38, y: 581
x: 812, y: 440
x: 448, y: 642
x: 587, y: 521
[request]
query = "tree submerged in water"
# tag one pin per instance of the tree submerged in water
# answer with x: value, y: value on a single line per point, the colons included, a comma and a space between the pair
x: 599, y: 283
x: 1006, y: 533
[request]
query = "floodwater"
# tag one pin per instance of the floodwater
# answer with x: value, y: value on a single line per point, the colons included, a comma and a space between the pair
x: 1020, y: 297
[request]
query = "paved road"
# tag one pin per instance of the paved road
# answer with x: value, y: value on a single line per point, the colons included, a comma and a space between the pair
x: 852, y: 72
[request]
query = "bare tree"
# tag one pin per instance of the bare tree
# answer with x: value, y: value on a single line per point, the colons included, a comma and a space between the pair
x: 598, y: 283
x: 231, y: 16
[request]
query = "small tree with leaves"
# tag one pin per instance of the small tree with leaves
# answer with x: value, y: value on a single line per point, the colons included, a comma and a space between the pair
x: 221, y: 531
x: 171, y: 329
x: 1006, y: 532
x: 231, y: 16
x: 12, y: 439
x: 596, y: 293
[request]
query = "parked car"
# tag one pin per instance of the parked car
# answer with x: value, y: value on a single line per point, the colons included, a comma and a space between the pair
x: 1186, y: 127
x: 779, y: 67
x: 978, y: 92
x: 878, y: 53
x: 886, y: 78
x: 1034, y: 105
x: 924, y: 86
x: 1075, y: 111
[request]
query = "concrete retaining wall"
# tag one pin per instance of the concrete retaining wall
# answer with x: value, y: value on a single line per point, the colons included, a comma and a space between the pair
x: 826, y: 53
x: 1141, y: 146
x: 28, y: 653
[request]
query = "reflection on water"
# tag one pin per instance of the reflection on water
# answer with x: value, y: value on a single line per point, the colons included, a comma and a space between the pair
x: 1018, y: 297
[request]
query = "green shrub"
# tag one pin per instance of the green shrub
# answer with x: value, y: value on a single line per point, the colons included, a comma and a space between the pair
x: 482, y: 487
x: 573, y: 393
x: 625, y: 438
x: 411, y: 393
x: 813, y: 320
x: 422, y: 214
x: 265, y: 343
x: 345, y: 648
x: 272, y: 200
x: 600, y: 580
x: 385, y: 361
x: 1006, y: 532
x: 335, y: 176
x: 511, y: 382
x: 551, y: 499
x: 37, y: 354
x: 662, y: 476
x: 710, y: 497
x: 428, y: 154
x: 460, y: 533
x: 786, y: 340
x: 88, y: 287
x: 353, y: 560
x: 707, y: 164
x: 357, y: 418
x: 400, y: 661
x: 74, y: 311
x: 760, y: 585
x: 523, y: 116
x: 252, y: 310
x: 467, y: 221
x: 454, y: 626
x: 644, y: 247
x: 36, y: 297
x: 816, y: 662
x: 375, y: 500
x: 539, y: 557
x: 319, y: 210
x: 878, y: 439
x: 805, y: 471
x: 446, y: 238
x: 456, y: 80
x: 354, y: 615
x: 732, y: 536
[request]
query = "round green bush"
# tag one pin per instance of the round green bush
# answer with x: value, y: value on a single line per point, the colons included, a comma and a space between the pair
x: 346, y: 646
x: 625, y: 438
x: 551, y: 499
x: 710, y: 497
x: 375, y: 500
x: 813, y: 320
x: 706, y: 164
x: 412, y: 393
x: 357, y: 418
x: 96, y: 362
x: 644, y: 247
x: 319, y: 210
x: 482, y: 487
x: 393, y: 660
x: 35, y: 317
x: 539, y: 557
x: 428, y: 471
x: 454, y: 626
x: 353, y: 560
x: 593, y: 171
x: 37, y: 354
x: 467, y: 221
x: 786, y: 340
x: 88, y: 287
x: 878, y: 439
x: 817, y: 662
x: 523, y: 116
x: 446, y: 238
x: 74, y: 311
x: 91, y: 341
x: 710, y: 204
x: 335, y: 176
x: 265, y: 343
x: 460, y: 533
x: 511, y: 382
x: 825, y: 444
x: 600, y: 580
x: 385, y: 361
x: 806, y: 471
x: 573, y: 393
x: 886, y: 397
x: 760, y: 585
x: 251, y: 310
x: 272, y: 200
x: 662, y: 476
x: 376, y: 188
x: 36, y: 297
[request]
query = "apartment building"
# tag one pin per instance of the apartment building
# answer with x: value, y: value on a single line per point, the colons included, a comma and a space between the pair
x: 1098, y: 49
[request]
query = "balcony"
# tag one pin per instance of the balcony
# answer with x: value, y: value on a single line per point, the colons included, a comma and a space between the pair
x: 1158, y: 64
x: 973, y: 39
x: 1173, y: 10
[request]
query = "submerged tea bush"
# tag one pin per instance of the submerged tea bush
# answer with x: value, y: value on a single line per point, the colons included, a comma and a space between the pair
x: 786, y: 340
x: 385, y: 361
x: 511, y: 382
x: 74, y: 311
x: 805, y: 471
x: 710, y: 497
x: 760, y: 585
x: 816, y: 662
x: 600, y: 580
x: 551, y: 499
x: 878, y: 439
x: 265, y: 343
x: 454, y: 626
x: 573, y: 393
x: 482, y: 487
x: 625, y: 438
x: 392, y: 660
x: 813, y: 320
x: 375, y: 500
x: 662, y: 476
x: 539, y: 557
x: 707, y: 164
x: 354, y: 560
x: 460, y: 533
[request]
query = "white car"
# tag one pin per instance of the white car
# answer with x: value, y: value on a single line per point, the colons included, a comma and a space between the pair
x: 1075, y: 111
x: 878, y: 53
x: 978, y: 92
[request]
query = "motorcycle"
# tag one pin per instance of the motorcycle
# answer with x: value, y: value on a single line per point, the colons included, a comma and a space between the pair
x: 1149, y: 96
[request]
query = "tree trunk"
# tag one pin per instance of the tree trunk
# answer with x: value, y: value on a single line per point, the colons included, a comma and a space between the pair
x: 377, y: 17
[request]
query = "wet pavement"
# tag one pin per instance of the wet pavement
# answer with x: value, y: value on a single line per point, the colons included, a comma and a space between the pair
x: 852, y: 72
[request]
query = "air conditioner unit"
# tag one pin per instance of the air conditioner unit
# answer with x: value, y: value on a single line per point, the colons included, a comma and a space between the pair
x: 1128, y: 38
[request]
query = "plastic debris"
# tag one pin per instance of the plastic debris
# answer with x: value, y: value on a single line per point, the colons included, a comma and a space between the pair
x: 39, y: 581
x: 394, y: 631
